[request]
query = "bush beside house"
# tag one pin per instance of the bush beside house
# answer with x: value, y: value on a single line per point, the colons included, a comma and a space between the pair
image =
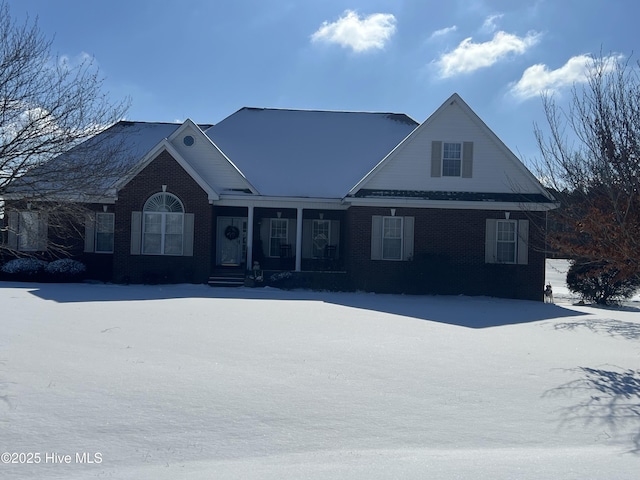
x: 34, y: 270
x: 600, y: 283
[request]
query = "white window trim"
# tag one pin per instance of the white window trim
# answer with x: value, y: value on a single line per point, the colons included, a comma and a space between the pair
x: 163, y: 232
x: 39, y: 234
x: 401, y: 238
x: 285, y: 238
x: 25, y: 240
x: 522, y: 239
x: 317, y: 222
x: 97, y: 232
x: 163, y: 226
x: 442, y: 169
x: 515, y: 241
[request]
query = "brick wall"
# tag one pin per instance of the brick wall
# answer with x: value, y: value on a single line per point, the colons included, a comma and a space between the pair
x: 449, y: 255
x: 163, y: 170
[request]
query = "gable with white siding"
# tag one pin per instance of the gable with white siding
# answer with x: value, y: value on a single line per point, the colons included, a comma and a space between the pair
x: 415, y: 165
x: 211, y: 164
x: 200, y: 157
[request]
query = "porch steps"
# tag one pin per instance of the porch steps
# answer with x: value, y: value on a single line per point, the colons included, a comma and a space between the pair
x: 227, y: 278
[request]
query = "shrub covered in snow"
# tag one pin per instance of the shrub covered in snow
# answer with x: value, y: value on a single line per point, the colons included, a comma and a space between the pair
x: 288, y: 280
x: 24, y: 268
x: 32, y: 269
x: 65, y: 269
x: 280, y: 276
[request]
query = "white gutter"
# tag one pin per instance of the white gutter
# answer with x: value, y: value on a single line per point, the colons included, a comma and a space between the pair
x: 448, y: 204
x: 280, y: 202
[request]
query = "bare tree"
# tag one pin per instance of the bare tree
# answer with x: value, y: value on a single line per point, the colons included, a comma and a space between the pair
x: 49, y: 108
x: 591, y: 159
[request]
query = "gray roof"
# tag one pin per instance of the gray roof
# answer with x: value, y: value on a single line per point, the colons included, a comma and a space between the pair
x: 141, y: 137
x: 307, y: 153
x: 289, y: 153
x: 122, y: 145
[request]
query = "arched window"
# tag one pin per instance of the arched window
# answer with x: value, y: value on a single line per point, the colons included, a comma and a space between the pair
x: 163, y: 225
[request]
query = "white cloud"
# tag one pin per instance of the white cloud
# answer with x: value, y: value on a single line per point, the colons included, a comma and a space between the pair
x: 358, y: 33
x: 443, y: 31
x: 489, y: 24
x: 539, y: 79
x: 469, y: 56
x: 76, y: 61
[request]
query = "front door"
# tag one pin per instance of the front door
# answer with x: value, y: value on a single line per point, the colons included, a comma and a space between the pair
x: 231, y: 241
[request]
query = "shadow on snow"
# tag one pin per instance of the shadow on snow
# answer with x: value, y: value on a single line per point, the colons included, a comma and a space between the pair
x: 610, y: 399
x: 471, y: 312
x: 609, y: 326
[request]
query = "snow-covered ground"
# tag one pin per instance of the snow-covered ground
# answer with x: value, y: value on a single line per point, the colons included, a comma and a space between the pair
x: 190, y: 382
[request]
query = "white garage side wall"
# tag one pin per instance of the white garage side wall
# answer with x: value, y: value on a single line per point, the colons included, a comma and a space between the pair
x: 495, y: 169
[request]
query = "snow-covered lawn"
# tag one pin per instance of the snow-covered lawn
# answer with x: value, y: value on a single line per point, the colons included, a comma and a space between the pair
x: 190, y: 382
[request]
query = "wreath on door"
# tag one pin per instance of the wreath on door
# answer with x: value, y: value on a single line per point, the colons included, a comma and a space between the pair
x: 231, y: 232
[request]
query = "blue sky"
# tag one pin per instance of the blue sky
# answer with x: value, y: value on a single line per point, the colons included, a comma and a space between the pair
x: 205, y: 59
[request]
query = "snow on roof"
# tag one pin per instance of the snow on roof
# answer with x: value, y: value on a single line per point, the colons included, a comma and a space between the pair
x: 131, y: 140
x: 143, y: 136
x: 308, y: 153
x: 124, y: 144
x: 288, y: 153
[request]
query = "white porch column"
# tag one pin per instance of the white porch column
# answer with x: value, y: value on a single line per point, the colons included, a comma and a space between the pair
x: 299, y: 240
x: 249, y: 265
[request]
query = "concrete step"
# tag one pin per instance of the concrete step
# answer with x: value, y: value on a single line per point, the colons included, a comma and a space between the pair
x: 226, y: 279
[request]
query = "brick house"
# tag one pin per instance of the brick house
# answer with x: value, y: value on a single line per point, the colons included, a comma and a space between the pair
x: 372, y: 201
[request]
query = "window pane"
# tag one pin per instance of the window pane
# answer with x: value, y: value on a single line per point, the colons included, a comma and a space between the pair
x: 506, y: 241
x: 392, y: 238
x: 173, y: 224
x: 451, y: 168
x: 104, y: 242
x: 452, y: 150
x: 506, y: 252
x: 320, y: 235
x: 28, y: 234
x: 152, y: 223
x: 104, y: 232
x: 279, y: 228
x: 274, y: 251
x: 452, y: 159
x: 278, y: 236
x: 152, y: 243
x: 173, y: 244
x: 104, y: 222
x: 163, y: 225
x: 392, y: 227
x: 506, y: 231
x: 392, y: 249
x: 163, y: 202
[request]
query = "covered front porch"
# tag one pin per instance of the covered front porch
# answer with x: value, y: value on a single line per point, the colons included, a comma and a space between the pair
x: 278, y: 237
